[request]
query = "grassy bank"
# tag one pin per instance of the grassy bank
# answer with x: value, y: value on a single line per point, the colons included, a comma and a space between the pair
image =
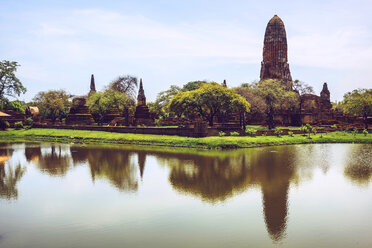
x: 88, y: 137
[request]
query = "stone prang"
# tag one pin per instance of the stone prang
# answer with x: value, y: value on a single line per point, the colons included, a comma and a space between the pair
x: 275, y: 59
x: 92, y: 84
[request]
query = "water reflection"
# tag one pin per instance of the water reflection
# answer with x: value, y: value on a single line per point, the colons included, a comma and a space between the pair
x: 115, y: 165
x: 213, y: 177
x: 359, y: 165
x: 216, y: 178
x: 9, y: 175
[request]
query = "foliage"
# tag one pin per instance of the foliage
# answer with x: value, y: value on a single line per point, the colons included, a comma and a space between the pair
x: 29, y: 121
x: 159, y: 107
x: 249, y: 92
x: 269, y: 97
x: 365, y: 132
x: 308, y: 129
x: 17, y: 106
x: 221, y: 133
x: 207, y: 101
x: 192, y: 85
x: 290, y: 134
x: 250, y: 132
x: 101, y: 103
x: 18, y: 125
x: 358, y: 103
x: 4, y: 124
x: 301, y: 87
x: 10, y: 85
x: 126, y: 85
x: 234, y: 134
x: 354, y: 132
x: 278, y: 132
x: 53, y: 104
x: 334, y: 126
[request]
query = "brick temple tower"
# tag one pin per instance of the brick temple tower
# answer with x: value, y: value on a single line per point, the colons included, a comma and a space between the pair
x: 275, y: 60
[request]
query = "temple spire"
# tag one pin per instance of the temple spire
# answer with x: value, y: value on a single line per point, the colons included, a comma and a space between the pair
x: 141, y: 99
x: 275, y: 61
x: 92, y: 84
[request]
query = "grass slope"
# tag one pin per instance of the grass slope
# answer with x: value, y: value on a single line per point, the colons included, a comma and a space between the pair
x: 80, y: 136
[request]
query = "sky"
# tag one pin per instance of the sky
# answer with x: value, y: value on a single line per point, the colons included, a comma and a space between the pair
x: 59, y: 44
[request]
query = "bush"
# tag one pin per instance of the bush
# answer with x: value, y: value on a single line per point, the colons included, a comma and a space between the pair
x: 365, y: 132
x: 4, y: 124
x: 290, y: 134
x: 221, y: 134
x: 278, y: 132
x: 250, y: 132
x: 29, y: 121
x: 354, y: 132
x: 234, y: 134
x: 334, y: 126
x: 18, y: 125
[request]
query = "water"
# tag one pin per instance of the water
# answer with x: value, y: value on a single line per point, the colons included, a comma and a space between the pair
x: 54, y: 195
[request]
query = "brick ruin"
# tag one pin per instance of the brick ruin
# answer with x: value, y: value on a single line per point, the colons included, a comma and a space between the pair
x: 275, y: 58
x: 142, y: 116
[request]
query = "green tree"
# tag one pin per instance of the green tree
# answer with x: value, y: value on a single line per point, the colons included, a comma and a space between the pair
x: 53, y: 104
x: 276, y: 98
x: 207, y: 101
x: 10, y: 85
x: 100, y: 103
x: 159, y: 107
x: 358, y: 103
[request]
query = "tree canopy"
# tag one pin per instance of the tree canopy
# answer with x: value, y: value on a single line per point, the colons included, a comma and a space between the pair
x: 207, y: 101
x: 101, y: 103
x: 358, y: 103
x: 53, y: 104
x: 10, y: 85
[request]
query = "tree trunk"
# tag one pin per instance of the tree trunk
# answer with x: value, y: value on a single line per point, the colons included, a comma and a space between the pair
x: 365, y: 120
x: 270, y: 119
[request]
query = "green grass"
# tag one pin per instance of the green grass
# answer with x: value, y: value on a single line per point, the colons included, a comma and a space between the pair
x: 227, y: 142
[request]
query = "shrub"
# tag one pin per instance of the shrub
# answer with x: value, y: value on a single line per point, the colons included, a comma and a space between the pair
x: 334, y: 126
x: 278, y: 132
x: 354, y: 132
x: 221, y: 133
x: 18, y: 125
x: 365, y: 132
x: 250, y: 132
x: 29, y: 121
x: 4, y: 124
x: 234, y: 134
x: 290, y: 134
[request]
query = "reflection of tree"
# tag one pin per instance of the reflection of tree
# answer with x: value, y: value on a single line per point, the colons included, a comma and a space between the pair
x: 111, y: 164
x: 55, y: 163
x: 211, y: 178
x: 359, y: 164
x: 9, y: 176
x: 217, y: 178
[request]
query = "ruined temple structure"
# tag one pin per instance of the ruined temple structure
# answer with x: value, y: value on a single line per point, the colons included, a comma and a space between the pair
x: 79, y: 112
x: 92, y: 85
x: 142, y: 115
x: 275, y: 60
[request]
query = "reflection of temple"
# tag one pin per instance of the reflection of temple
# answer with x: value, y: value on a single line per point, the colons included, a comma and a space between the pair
x: 53, y: 161
x: 216, y: 179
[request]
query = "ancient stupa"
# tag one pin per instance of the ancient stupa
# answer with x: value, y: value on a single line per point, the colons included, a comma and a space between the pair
x: 79, y: 111
x: 275, y: 59
x: 142, y: 115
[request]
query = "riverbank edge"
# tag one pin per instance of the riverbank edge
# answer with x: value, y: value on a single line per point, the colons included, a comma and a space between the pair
x: 226, y: 142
